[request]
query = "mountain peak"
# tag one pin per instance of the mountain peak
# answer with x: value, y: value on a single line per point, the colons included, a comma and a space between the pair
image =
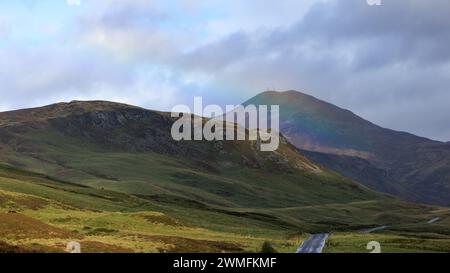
x: 296, y: 99
x: 287, y: 93
x: 316, y: 125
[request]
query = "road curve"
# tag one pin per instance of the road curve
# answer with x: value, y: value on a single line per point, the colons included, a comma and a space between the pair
x: 374, y: 229
x: 314, y: 244
x: 434, y: 220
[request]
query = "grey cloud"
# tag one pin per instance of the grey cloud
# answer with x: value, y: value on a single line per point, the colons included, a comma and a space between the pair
x: 400, y: 30
x: 218, y: 55
x: 127, y: 14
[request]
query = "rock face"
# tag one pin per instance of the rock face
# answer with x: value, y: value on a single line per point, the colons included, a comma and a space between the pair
x: 399, y: 163
x: 130, y: 129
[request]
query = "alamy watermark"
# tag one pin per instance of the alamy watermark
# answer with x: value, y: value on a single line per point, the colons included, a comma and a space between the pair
x: 73, y: 247
x: 374, y: 246
x: 251, y: 122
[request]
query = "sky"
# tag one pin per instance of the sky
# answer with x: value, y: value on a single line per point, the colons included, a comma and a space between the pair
x: 389, y: 64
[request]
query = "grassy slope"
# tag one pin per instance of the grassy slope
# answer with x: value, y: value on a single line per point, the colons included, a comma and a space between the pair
x: 42, y: 214
x: 51, y: 213
x: 148, y: 173
x: 311, y: 201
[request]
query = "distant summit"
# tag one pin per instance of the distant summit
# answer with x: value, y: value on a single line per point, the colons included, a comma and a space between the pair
x: 395, y: 162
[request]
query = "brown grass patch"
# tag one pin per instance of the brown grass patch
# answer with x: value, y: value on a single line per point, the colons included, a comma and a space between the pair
x: 163, y: 219
x: 98, y: 247
x: 18, y: 227
x: 35, y: 248
x: 27, y: 202
x: 187, y: 245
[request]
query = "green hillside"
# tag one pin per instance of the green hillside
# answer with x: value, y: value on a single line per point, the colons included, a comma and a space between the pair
x: 109, y: 175
x: 130, y: 150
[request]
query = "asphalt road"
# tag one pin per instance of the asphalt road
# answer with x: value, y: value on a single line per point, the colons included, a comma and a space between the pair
x: 375, y: 229
x: 314, y: 244
x: 434, y: 220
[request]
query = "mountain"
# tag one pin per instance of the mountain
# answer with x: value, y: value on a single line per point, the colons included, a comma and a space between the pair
x: 399, y: 163
x: 110, y: 176
x: 130, y: 149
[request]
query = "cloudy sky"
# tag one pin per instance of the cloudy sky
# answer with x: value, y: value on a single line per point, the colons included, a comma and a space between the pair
x: 389, y: 63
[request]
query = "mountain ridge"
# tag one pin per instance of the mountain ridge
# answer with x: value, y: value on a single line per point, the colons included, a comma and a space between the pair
x: 416, y: 164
